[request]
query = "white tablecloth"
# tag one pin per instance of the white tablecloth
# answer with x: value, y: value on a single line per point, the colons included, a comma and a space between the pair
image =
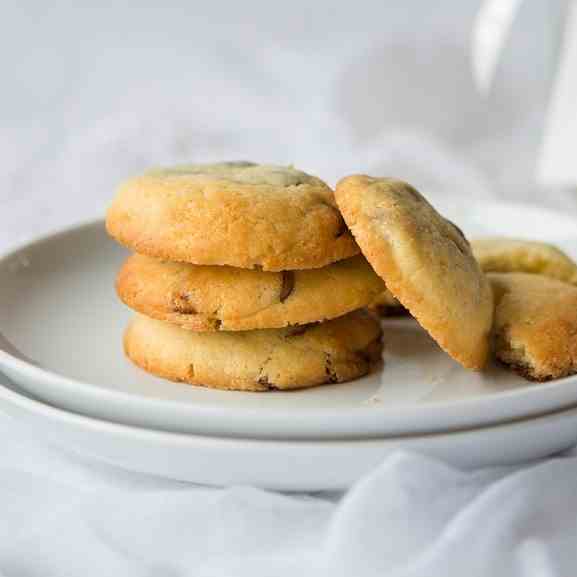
x: 448, y: 96
x: 413, y: 516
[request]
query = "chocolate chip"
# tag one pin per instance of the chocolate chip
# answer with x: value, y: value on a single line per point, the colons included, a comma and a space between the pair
x: 331, y: 375
x: 297, y: 330
x: 264, y: 381
x: 342, y: 229
x: 287, y: 285
x: 181, y: 304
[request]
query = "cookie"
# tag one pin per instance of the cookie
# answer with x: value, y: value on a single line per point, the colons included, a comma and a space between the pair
x: 238, y: 214
x: 291, y: 358
x: 502, y: 254
x: 209, y: 298
x: 425, y: 261
x: 535, y: 327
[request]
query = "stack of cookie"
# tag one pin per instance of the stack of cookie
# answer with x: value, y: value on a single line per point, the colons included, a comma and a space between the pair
x: 245, y: 277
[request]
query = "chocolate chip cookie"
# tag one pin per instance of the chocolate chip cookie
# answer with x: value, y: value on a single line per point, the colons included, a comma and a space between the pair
x: 535, y: 327
x: 425, y: 261
x: 237, y: 213
x: 209, y: 298
x: 262, y: 360
x: 502, y: 254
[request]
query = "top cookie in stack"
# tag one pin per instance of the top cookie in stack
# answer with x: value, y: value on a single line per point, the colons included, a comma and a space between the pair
x: 239, y: 214
x: 243, y: 247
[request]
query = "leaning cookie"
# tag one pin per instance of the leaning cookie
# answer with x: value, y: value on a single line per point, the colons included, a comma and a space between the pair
x: 535, y: 325
x: 502, y: 254
x: 238, y: 214
x: 290, y: 358
x: 425, y: 261
x: 209, y: 298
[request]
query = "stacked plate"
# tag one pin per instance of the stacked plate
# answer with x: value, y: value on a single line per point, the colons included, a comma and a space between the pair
x: 65, y: 376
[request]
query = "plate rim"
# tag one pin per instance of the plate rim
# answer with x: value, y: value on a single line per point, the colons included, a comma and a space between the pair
x: 398, y: 413
x: 38, y: 407
x: 217, y: 461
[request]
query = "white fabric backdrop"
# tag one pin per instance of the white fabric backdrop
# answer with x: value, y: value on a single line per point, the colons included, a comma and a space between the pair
x: 412, y: 517
x: 445, y: 94
x: 92, y: 92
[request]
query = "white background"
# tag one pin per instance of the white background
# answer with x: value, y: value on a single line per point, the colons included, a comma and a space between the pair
x: 92, y: 92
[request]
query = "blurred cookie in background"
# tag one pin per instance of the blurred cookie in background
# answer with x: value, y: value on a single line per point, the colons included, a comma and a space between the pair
x: 503, y: 254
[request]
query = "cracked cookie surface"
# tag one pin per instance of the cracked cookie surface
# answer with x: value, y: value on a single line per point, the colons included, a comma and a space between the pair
x: 238, y: 214
x: 535, y: 326
x: 502, y: 254
x: 424, y: 259
x: 335, y: 351
x: 208, y: 298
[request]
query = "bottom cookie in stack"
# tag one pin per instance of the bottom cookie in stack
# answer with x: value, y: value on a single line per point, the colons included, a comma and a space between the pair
x: 295, y: 357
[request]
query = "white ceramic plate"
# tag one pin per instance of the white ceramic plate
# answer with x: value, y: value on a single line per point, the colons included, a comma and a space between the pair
x: 280, y: 465
x: 62, y: 324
